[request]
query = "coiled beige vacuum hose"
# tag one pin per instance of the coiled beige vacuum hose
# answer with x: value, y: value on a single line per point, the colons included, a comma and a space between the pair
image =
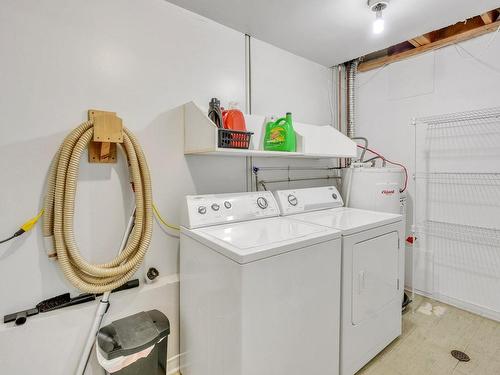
x: 59, y: 212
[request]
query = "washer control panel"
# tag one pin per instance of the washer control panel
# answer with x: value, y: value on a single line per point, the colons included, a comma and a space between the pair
x: 304, y: 200
x: 206, y: 210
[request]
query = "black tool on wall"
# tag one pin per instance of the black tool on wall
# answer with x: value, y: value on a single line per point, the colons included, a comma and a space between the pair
x: 59, y: 302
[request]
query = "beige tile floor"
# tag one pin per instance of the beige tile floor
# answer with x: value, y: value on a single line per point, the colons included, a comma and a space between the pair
x: 430, y: 331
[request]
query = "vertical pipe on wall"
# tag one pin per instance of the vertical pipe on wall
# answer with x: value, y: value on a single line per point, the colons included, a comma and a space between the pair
x: 334, y: 98
x: 249, y: 173
x: 351, y: 99
x: 248, y: 76
x: 342, y: 97
x: 340, y: 88
x: 336, y: 102
x: 248, y: 107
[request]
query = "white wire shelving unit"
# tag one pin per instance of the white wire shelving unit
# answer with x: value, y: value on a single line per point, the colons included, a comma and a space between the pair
x: 462, y: 178
x: 456, y: 216
x: 460, y: 232
x: 466, y: 118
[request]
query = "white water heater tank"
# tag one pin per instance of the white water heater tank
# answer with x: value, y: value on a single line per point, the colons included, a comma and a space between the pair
x: 373, y: 188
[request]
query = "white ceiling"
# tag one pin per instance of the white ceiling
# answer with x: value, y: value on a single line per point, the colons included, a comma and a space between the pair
x: 334, y: 31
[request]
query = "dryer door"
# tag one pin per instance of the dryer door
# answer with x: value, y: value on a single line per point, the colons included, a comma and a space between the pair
x: 375, y: 272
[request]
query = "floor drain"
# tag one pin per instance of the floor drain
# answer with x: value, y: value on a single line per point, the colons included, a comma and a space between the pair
x: 461, y: 356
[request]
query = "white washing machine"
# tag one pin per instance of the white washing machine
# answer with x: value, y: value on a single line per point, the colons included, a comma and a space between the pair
x: 372, y: 270
x: 259, y: 293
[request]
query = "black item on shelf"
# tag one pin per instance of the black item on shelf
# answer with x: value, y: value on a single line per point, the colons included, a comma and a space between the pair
x: 54, y: 302
x: 134, y: 283
x: 215, y: 113
x: 234, y: 139
x: 20, y: 317
x: 61, y: 301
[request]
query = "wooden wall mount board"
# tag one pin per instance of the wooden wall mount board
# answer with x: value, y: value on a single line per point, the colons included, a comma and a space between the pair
x: 95, y: 155
x: 108, y: 131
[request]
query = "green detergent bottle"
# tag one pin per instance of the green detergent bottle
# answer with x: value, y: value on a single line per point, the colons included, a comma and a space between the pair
x: 280, y: 135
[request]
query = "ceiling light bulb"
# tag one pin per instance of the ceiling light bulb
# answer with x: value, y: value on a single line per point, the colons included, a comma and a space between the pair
x: 378, y: 24
x: 377, y: 6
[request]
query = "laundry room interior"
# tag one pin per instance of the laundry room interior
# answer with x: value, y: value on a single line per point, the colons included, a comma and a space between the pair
x: 250, y: 187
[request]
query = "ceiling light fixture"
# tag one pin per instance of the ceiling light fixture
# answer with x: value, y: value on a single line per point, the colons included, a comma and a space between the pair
x: 378, y: 6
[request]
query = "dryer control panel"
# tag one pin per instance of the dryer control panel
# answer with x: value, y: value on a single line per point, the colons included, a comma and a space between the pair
x: 205, y: 210
x: 303, y: 200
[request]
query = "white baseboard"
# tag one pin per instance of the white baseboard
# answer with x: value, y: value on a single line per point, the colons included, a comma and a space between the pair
x: 467, y: 306
x: 173, y: 365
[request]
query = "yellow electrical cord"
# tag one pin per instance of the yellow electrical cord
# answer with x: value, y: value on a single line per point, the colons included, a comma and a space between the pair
x: 163, y: 221
x: 27, y: 226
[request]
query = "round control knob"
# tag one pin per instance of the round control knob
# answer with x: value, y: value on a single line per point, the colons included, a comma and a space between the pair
x: 262, y: 202
x: 215, y: 207
x: 202, y: 210
x: 292, y: 199
x: 227, y: 204
x: 334, y: 196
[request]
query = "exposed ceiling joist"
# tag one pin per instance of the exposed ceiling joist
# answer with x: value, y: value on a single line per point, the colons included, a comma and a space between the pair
x: 423, y: 39
x: 471, y: 28
x: 414, y: 43
x: 488, y: 17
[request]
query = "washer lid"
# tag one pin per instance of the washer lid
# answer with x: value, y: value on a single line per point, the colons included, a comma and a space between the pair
x: 249, y: 241
x: 349, y: 220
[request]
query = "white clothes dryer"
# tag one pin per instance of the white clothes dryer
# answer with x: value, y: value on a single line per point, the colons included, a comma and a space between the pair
x: 372, y: 269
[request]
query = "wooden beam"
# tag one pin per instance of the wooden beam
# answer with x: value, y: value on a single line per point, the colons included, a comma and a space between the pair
x: 423, y: 39
x: 489, y: 17
x: 414, y: 43
x: 468, y: 34
x: 460, y: 27
x: 399, y: 48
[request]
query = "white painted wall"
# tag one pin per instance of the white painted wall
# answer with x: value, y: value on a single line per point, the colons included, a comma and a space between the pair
x: 142, y: 60
x: 445, y: 81
x: 283, y: 82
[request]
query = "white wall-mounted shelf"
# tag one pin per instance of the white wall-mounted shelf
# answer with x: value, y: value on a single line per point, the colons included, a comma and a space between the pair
x: 313, y: 141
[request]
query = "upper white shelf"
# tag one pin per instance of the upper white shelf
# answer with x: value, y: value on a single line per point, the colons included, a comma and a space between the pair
x: 313, y: 141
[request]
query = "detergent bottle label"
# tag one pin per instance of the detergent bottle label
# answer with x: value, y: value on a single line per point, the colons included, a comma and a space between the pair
x: 277, y: 135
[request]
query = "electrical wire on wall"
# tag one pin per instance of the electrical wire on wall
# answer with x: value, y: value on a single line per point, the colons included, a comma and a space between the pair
x: 26, y: 227
x: 30, y: 224
x: 378, y: 155
x: 373, y: 76
x: 164, y: 221
x: 478, y: 58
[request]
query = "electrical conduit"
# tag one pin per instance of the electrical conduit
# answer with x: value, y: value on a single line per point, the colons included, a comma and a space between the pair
x: 351, y: 101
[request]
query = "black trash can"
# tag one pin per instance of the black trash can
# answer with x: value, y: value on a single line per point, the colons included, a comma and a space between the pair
x: 131, y: 335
